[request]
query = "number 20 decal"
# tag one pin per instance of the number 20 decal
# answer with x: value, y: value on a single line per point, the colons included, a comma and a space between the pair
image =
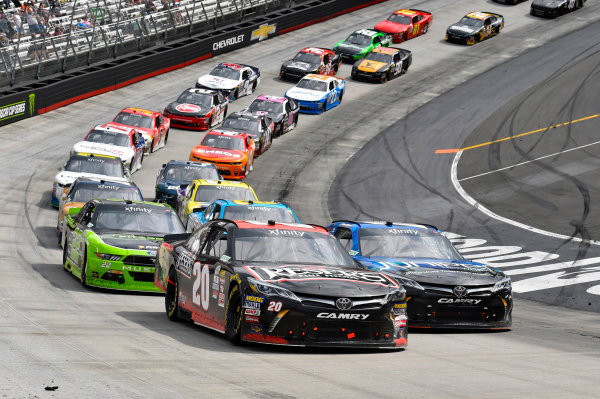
x: 274, y: 306
x: 201, y: 282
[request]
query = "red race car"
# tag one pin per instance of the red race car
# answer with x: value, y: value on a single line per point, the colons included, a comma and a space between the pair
x: 153, y: 125
x: 311, y: 60
x: 406, y: 24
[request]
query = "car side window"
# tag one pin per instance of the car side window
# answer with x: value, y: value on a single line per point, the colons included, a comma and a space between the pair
x: 344, y: 236
x: 376, y: 40
x: 216, y: 244
x: 195, y: 241
x: 159, y: 121
x: 189, y: 190
x: 216, y: 214
x: 488, y: 21
x: 208, y: 211
x: 86, y: 215
x: 415, y: 19
x: 245, y: 75
x: 288, y: 107
x: 331, y: 86
x: 326, y: 59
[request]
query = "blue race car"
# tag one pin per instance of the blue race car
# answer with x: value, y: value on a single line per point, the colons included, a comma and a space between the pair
x: 175, y: 174
x: 443, y: 289
x: 317, y: 93
x: 260, y: 211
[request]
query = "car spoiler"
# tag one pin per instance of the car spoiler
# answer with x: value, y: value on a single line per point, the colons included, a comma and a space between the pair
x: 169, y: 238
x: 493, y: 13
x: 255, y: 69
x: 424, y: 12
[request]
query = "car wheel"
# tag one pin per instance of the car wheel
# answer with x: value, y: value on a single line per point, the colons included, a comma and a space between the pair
x: 325, y: 105
x: 425, y: 28
x: 254, y: 87
x: 166, y: 136
x: 83, y: 277
x: 233, y: 316
x: 341, y: 96
x: 65, y: 258
x: 171, y: 296
x: 405, y: 36
x: 385, y: 77
x: 236, y: 94
x: 153, y: 144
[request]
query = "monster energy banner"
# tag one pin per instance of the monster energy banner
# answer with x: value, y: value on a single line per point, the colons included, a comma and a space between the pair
x: 16, y: 110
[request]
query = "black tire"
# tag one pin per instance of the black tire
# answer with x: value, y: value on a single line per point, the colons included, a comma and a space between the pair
x: 152, y: 145
x: 64, y: 256
x: 341, y: 96
x: 166, y: 136
x: 171, y: 295
x: 233, y: 316
x: 405, y: 36
x: 425, y: 29
x: 236, y: 94
x: 83, y: 277
x: 385, y: 78
x: 254, y: 86
x: 325, y: 105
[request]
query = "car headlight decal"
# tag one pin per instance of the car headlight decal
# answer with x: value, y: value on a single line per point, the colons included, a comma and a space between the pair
x: 503, y: 284
x: 271, y: 289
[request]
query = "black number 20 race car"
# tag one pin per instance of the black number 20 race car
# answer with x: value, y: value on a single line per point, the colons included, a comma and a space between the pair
x: 286, y: 284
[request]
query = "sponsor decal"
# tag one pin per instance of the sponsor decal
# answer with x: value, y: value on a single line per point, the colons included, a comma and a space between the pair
x: 217, y: 152
x: 252, y: 319
x: 107, y: 187
x: 184, y: 265
x: 294, y: 233
x: 188, y: 108
x: 12, y: 110
x: 251, y: 305
x: 95, y: 275
x: 317, y: 272
x: 230, y: 41
x: 138, y: 269
x: 400, y: 321
x: 256, y: 329
x: 182, y: 298
x: 403, y: 231
x: 137, y: 209
x: 468, y: 301
x: 263, y: 32
x: 253, y: 298
x: 253, y: 312
x: 343, y: 316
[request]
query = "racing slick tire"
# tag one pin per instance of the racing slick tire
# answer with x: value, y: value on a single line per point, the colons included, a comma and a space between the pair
x: 385, y: 77
x: 83, y: 278
x: 153, y: 145
x: 65, y: 258
x: 325, y: 105
x: 405, y: 36
x: 340, y: 99
x: 425, y: 28
x: 166, y: 136
x: 171, y: 294
x: 254, y: 87
x: 236, y: 94
x: 233, y: 315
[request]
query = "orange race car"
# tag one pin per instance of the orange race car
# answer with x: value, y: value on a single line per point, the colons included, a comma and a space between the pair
x: 153, y: 125
x: 405, y: 24
x: 231, y: 152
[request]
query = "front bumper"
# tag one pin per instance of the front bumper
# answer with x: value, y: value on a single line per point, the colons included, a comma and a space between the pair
x: 135, y: 272
x: 188, y: 122
x: 292, y: 74
x: 370, y: 76
x: 229, y: 171
x: 544, y: 12
x: 470, y: 40
x: 311, y: 107
x: 349, y: 58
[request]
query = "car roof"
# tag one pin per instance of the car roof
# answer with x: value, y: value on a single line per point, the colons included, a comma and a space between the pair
x: 201, y: 91
x: 407, y: 12
x: 96, y: 181
x: 316, y: 50
x: 88, y: 155
x: 115, y: 128
x: 228, y: 183
x: 230, y: 65
x: 478, y: 15
x: 119, y: 203
x: 247, y: 224
x: 245, y: 114
x: 323, y: 78
x: 366, y: 32
x: 267, y: 97
x: 139, y: 111
x: 190, y: 163
x: 386, y: 50
x: 226, y: 202
x: 385, y: 225
x: 223, y: 132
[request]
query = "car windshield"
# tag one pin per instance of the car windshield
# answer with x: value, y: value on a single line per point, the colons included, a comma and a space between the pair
x: 359, y: 40
x: 242, y: 124
x: 95, y: 165
x: 86, y: 192
x: 224, y: 142
x: 405, y: 243
x: 141, y: 219
x: 137, y: 120
x: 259, y: 213
x: 289, y: 247
x: 308, y: 58
x: 226, y: 72
x: 474, y: 22
x: 400, y: 19
x: 379, y: 57
x: 200, y: 99
x: 271, y: 107
x: 312, y: 84
x: 188, y: 173
x: 211, y: 193
x: 112, y: 138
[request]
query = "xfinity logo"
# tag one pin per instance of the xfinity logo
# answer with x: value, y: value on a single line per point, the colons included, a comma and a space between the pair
x: 460, y: 300
x: 343, y: 316
x: 228, y: 42
x: 137, y: 209
x: 107, y: 187
x: 286, y: 233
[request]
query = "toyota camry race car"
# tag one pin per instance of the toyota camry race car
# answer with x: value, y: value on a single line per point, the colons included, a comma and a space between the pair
x: 282, y: 111
x: 317, y: 93
x: 197, y: 109
x: 232, y: 80
x: 475, y: 27
x: 260, y: 211
x: 286, y: 284
x: 151, y: 124
x: 258, y: 126
x: 359, y: 43
x: 121, y: 141
x: 554, y: 8
x: 311, y: 60
x: 382, y: 64
x: 88, y: 165
x: 177, y: 175
x: 405, y: 24
x: 112, y: 244
x: 198, y: 195
x: 443, y: 289
x: 231, y: 152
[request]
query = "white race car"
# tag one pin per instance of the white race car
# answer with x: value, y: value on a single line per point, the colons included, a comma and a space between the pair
x: 317, y: 93
x: 120, y: 141
x: 232, y: 80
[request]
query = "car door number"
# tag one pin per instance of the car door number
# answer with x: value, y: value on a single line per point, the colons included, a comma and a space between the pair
x: 202, y: 284
x: 416, y: 29
x: 333, y: 97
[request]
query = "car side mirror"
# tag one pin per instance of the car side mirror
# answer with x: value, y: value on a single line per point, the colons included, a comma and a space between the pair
x: 201, y: 209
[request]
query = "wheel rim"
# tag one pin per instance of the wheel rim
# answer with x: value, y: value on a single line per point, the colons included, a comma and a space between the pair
x: 171, y: 294
x: 84, y: 270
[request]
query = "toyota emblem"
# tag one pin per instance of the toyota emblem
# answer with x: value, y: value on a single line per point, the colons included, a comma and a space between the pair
x: 460, y: 291
x: 343, y: 303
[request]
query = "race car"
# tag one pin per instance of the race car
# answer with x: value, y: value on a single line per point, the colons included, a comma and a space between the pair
x: 405, y: 24
x: 84, y: 189
x: 112, y: 243
x: 382, y: 64
x: 121, y: 141
x: 200, y: 193
x: 359, y: 43
x: 317, y: 93
x: 475, y: 27
x: 231, y: 152
x: 232, y: 80
x: 554, y: 8
x: 311, y: 60
x: 281, y: 110
x: 197, y: 109
x: 153, y: 125
x: 286, y: 284
x: 177, y: 175
x: 258, y: 126
x: 88, y: 165
x: 261, y: 211
x: 443, y: 289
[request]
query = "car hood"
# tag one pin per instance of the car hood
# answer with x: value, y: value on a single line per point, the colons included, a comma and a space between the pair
x: 390, y: 27
x: 125, y: 153
x: 349, y: 49
x: 216, y: 154
x: 322, y: 280
x: 185, y: 109
x: 435, y: 271
x: 216, y: 82
x: 548, y: 3
x: 65, y: 177
x: 461, y: 30
x: 139, y: 241
x: 300, y: 66
x: 305, y: 95
x: 372, y: 66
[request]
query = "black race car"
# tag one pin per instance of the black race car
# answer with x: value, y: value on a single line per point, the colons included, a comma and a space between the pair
x: 382, y: 64
x: 259, y: 127
x: 443, y: 289
x: 554, y: 8
x: 475, y: 27
x: 287, y: 284
x: 197, y: 109
x: 282, y: 111
x: 311, y: 60
x: 177, y: 175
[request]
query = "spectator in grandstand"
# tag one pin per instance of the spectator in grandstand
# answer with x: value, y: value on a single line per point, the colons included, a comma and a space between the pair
x: 4, y: 41
x: 80, y: 25
x: 18, y: 22
x: 32, y: 21
x: 6, y: 4
x: 150, y: 7
x: 37, y: 48
x: 4, y: 25
x: 55, y: 9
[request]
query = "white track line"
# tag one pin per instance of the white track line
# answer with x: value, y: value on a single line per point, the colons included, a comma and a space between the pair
x: 478, y: 206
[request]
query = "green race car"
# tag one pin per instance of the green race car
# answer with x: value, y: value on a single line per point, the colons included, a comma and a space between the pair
x: 113, y: 243
x: 360, y: 43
